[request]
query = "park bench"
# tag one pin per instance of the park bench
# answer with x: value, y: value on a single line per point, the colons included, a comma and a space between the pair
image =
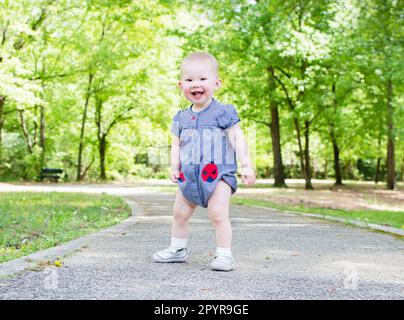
x: 51, y: 174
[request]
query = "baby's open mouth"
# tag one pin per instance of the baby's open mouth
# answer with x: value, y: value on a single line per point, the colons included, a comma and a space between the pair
x: 197, y: 94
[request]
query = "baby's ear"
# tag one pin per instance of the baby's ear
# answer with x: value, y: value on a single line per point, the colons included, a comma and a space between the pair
x: 218, y: 83
x: 180, y: 84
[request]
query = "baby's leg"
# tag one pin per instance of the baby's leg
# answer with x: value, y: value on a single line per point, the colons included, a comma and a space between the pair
x: 183, y: 210
x: 218, y: 212
x: 177, y: 251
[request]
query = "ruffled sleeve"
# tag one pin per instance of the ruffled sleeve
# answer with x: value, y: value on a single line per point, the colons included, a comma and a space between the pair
x: 227, y: 117
x: 175, y: 125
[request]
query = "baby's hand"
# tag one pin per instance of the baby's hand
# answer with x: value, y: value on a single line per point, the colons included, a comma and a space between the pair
x: 247, y: 175
x: 175, y: 174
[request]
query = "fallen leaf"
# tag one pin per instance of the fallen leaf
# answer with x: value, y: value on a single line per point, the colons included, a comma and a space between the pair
x: 57, y: 262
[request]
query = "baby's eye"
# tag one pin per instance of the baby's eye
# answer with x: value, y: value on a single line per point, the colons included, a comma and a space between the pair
x: 203, y: 79
x: 188, y: 80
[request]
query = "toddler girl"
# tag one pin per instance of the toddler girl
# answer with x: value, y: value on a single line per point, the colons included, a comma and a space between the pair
x: 206, y: 139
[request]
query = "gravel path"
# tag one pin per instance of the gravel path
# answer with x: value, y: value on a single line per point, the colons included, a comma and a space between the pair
x: 278, y: 256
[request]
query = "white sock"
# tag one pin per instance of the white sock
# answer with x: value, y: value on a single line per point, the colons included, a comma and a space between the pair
x: 223, y: 251
x: 178, y: 243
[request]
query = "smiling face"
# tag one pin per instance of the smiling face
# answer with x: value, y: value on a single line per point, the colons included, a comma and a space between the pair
x: 199, y: 80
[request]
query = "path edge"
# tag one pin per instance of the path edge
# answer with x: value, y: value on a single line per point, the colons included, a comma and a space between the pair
x: 361, y: 224
x: 18, y: 265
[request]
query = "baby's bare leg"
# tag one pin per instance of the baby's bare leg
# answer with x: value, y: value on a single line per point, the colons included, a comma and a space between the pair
x: 218, y: 212
x: 177, y: 251
x: 183, y: 210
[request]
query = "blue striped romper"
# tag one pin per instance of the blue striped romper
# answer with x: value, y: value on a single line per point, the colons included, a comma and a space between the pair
x: 206, y: 155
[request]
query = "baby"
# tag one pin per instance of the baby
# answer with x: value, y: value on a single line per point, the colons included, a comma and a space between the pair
x: 206, y: 138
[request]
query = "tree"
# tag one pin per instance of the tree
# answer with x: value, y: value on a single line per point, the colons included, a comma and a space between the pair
x: 382, y: 31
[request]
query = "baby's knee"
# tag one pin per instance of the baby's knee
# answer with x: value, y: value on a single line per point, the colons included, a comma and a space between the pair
x: 218, y: 213
x: 181, y: 214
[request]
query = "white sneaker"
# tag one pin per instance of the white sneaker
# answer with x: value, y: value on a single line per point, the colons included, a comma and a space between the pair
x: 222, y: 263
x: 171, y: 255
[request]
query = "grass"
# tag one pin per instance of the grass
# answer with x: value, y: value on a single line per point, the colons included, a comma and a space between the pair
x: 385, y: 218
x: 33, y: 221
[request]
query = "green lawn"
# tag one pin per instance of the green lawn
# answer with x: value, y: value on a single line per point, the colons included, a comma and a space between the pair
x: 31, y: 221
x: 386, y: 218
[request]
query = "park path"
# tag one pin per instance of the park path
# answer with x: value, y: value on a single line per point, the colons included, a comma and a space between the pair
x: 278, y: 256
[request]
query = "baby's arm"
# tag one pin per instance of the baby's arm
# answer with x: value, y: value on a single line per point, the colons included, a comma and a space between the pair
x: 239, y: 144
x: 175, y: 159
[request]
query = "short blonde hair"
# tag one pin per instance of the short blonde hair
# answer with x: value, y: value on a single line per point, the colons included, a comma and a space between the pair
x: 202, y: 57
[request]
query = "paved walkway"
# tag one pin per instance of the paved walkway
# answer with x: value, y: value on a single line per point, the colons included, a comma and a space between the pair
x: 278, y: 256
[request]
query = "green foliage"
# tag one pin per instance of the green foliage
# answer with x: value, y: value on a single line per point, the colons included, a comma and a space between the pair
x: 328, y: 59
x: 48, y: 51
x: 330, y: 62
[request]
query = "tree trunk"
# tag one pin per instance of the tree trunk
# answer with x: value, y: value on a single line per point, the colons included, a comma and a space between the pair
x: 83, y: 124
x: 326, y: 169
x: 279, y: 173
x: 301, y: 153
x: 35, y: 126
x: 83, y: 175
x: 335, y: 147
x: 25, y: 131
x: 379, y: 159
x: 2, y: 100
x: 295, y: 120
x: 391, y: 179
x: 103, y: 133
x: 305, y: 157
x: 402, y: 170
x: 102, y: 149
x: 42, y: 123
x: 307, y: 177
x: 101, y: 136
x: 337, y: 165
x: 42, y: 135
